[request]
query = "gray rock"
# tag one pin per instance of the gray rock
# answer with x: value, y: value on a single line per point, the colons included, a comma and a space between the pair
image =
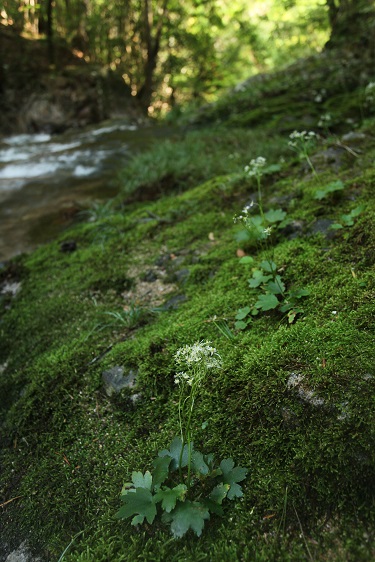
x: 182, y: 275
x: 114, y: 380
x: 354, y: 138
x: 297, y: 383
x: 22, y: 554
x: 334, y: 156
x: 174, y: 302
x: 149, y: 276
x: 293, y: 230
x: 323, y: 226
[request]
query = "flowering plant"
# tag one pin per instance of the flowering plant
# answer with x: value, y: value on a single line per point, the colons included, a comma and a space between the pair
x: 186, y: 501
x: 266, y: 278
x: 301, y: 142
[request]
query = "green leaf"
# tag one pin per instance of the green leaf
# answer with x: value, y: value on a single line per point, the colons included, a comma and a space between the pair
x: 213, y: 507
x: 219, y: 493
x: 292, y: 315
x: 268, y: 266
x: 246, y: 260
x: 198, y: 463
x: 168, y: 497
x: 336, y: 226
x: 174, y: 453
x: 240, y: 325
x: 185, y: 516
x: 140, y: 502
x: 275, y: 215
x: 142, y: 481
x: 277, y: 286
x: 299, y: 293
x: 242, y: 236
x: 161, y: 470
x: 242, y: 313
x: 272, y: 169
x: 267, y: 302
x: 258, y: 279
x: 232, y: 475
x: 224, y: 329
x: 330, y: 188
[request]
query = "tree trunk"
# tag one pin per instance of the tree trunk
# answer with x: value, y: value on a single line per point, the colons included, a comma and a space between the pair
x: 352, y: 24
x: 50, y: 46
x: 144, y: 94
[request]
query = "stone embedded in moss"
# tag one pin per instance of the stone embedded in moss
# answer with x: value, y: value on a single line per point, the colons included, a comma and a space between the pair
x: 114, y: 380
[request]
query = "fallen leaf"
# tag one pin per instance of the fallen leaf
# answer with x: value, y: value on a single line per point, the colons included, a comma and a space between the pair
x: 240, y: 253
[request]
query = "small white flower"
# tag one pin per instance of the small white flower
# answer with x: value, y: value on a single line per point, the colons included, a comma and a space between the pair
x: 247, y: 208
x: 255, y: 166
x: 197, y: 358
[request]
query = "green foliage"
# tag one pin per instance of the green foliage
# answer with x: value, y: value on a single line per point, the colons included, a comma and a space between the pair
x: 259, y: 227
x: 182, y: 506
x: 273, y: 295
x: 328, y: 189
x: 349, y: 218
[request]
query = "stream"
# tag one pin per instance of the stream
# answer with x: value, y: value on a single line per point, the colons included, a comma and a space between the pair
x: 45, y: 179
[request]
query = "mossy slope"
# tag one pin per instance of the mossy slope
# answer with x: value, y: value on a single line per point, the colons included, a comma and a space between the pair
x: 67, y: 447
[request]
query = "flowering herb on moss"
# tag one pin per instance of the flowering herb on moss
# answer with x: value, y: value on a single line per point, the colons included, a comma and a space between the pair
x: 185, y: 486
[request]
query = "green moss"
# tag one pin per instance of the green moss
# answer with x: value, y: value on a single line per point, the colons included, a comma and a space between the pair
x: 294, y: 403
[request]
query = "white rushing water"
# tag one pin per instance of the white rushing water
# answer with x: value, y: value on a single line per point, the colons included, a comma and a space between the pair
x: 41, y: 176
x: 25, y: 157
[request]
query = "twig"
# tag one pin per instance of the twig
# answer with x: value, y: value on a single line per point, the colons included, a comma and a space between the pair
x: 12, y: 500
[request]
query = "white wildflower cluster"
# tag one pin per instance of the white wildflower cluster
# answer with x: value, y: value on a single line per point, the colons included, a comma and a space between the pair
x: 370, y: 93
x: 196, y: 359
x: 301, y: 138
x: 320, y: 96
x: 244, y: 213
x: 267, y: 231
x: 255, y: 166
x: 325, y: 120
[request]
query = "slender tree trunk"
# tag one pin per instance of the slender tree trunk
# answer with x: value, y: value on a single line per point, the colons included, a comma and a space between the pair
x: 50, y: 45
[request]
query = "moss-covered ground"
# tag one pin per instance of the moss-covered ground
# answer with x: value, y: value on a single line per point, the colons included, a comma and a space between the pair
x: 294, y: 403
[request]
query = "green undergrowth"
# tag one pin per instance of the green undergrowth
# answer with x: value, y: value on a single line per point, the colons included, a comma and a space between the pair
x: 293, y: 403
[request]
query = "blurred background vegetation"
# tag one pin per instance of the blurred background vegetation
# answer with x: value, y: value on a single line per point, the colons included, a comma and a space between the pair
x: 173, y: 52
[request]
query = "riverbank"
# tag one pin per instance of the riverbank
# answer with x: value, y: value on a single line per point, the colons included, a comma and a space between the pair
x: 89, y: 337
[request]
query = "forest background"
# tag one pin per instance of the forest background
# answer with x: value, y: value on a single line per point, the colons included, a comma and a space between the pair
x: 170, y: 52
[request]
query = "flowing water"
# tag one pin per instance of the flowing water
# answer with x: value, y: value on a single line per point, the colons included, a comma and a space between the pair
x: 45, y: 179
